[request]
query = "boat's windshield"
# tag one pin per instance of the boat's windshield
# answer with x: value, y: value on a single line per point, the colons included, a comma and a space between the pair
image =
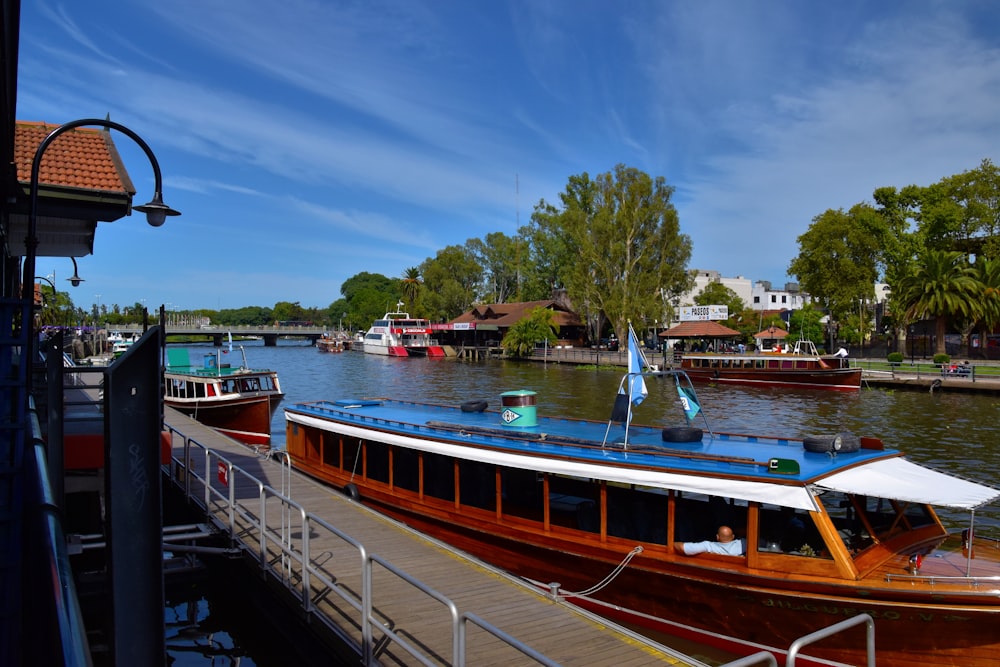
x: 858, y: 518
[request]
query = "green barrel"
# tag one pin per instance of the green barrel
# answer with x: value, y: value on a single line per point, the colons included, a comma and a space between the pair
x: 518, y: 408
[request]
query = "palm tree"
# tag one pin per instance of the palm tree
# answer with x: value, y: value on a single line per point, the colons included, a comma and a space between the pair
x: 411, y: 287
x: 988, y: 274
x: 941, y: 285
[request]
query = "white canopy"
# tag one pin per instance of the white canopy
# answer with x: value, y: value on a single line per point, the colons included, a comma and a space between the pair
x: 900, y: 479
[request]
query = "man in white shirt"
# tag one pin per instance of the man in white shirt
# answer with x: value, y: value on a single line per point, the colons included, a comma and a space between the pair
x: 727, y: 545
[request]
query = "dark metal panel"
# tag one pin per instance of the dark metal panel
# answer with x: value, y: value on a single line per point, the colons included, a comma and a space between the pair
x: 132, y: 401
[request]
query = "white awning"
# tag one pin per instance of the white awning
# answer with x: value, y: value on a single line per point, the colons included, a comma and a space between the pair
x: 900, y: 479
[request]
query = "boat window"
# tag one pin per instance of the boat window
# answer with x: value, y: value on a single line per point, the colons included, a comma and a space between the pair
x: 439, y: 476
x: 405, y: 469
x: 477, y: 485
x: 521, y: 493
x: 637, y: 514
x: 888, y: 517
x: 575, y: 503
x: 376, y: 461
x: 331, y: 447
x: 229, y: 386
x: 196, y: 389
x: 846, y: 519
x: 352, y: 456
x: 698, y: 517
x: 787, y: 530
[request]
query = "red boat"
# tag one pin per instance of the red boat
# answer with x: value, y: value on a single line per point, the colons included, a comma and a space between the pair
x: 236, y: 401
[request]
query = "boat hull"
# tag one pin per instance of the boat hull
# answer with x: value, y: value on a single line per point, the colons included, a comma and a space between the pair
x: 769, y: 612
x: 247, y: 419
x: 837, y: 379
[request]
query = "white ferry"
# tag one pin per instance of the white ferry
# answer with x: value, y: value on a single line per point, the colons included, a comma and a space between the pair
x: 397, y: 334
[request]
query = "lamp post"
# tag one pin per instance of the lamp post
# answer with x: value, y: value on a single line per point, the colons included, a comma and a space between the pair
x: 156, y: 213
x: 912, y: 341
x: 138, y: 622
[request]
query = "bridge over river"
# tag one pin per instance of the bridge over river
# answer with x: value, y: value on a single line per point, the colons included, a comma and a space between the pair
x: 220, y: 335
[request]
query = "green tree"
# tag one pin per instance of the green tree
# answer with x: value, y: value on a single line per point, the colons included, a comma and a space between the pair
x: 838, y: 259
x: 942, y: 286
x: 451, y: 279
x: 501, y: 258
x: 806, y: 324
x: 410, y: 287
x: 623, y: 235
x: 535, y: 327
x: 962, y: 212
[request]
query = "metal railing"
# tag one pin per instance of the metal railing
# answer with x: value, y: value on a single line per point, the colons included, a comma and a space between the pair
x: 286, y: 553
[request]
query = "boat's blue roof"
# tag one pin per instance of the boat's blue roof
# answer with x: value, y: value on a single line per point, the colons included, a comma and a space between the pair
x: 717, y: 454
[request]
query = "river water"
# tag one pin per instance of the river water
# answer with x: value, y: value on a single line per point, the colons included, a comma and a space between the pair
x: 956, y: 433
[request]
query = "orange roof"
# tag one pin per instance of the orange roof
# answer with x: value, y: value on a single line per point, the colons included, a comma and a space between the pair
x: 772, y: 333
x: 79, y: 158
x: 699, y: 329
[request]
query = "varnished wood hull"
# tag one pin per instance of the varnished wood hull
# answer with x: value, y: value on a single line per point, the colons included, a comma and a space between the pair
x: 760, y: 608
x: 838, y: 379
x: 247, y: 419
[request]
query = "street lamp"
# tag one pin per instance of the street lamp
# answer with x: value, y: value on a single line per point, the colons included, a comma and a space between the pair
x: 156, y: 213
x: 912, y: 341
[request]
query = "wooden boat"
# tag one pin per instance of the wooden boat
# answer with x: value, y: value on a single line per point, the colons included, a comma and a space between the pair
x: 832, y: 526
x: 397, y: 334
x: 330, y: 344
x: 802, y: 368
x: 236, y: 401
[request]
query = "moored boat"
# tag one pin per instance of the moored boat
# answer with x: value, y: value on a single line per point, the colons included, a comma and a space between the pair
x: 397, y: 334
x: 331, y: 344
x: 802, y: 368
x: 236, y: 401
x: 830, y: 526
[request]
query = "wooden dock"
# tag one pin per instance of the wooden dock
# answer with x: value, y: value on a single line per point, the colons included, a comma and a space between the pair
x: 387, y: 593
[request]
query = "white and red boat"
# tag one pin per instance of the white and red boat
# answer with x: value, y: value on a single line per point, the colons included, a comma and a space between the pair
x: 238, y: 402
x: 397, y: 334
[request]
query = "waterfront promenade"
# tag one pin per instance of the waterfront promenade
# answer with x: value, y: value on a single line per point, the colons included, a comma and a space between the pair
x: 920, y: 375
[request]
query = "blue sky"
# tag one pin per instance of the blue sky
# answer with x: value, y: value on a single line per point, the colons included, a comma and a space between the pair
x: 308, y: 140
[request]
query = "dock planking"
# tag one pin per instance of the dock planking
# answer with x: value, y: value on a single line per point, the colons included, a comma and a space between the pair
x: 562, y: 633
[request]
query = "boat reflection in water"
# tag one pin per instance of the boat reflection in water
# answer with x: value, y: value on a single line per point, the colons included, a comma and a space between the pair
x: 831, y: 525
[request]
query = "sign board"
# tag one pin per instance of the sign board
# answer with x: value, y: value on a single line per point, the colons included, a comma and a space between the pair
x: 222, y: 470
x: 702, y: 313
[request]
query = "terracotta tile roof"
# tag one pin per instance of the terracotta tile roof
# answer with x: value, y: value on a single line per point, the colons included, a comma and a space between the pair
x: 508, y: 314
x: 83, y: 158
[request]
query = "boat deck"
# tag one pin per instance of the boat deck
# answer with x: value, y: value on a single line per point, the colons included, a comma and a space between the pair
x: 336, y: 585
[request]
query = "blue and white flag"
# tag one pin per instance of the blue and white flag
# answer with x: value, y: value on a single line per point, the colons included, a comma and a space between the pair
x: 637, y: 385
x: 688, y: 402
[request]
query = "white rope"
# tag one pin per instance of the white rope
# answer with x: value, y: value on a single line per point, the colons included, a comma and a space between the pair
x: 608, y: 579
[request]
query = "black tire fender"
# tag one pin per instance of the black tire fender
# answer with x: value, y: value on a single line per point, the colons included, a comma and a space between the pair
x: 839, y: 443
x: 351, y: 491
x: 682, y: 434
x: 474, y: 406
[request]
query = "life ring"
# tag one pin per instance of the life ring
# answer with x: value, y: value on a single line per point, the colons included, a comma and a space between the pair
x: 681, y: 434
x: 474, y: 406
x: 351, y: 491
x: 840, y: 443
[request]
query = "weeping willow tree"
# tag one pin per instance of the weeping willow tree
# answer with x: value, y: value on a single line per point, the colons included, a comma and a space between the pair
x: 623, y: 233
